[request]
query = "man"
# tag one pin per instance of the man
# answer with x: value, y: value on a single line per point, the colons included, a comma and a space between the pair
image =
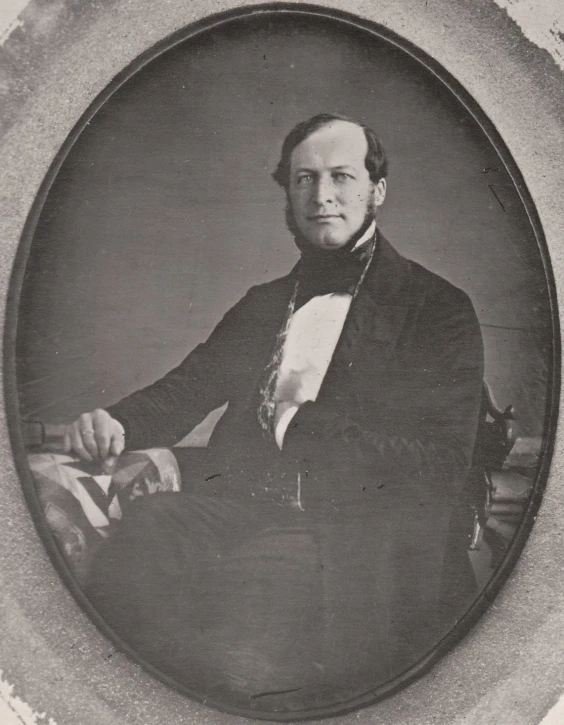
x: 304, y: 562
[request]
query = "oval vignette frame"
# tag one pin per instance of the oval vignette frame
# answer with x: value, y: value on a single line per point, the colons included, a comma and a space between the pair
x: 490, y: 591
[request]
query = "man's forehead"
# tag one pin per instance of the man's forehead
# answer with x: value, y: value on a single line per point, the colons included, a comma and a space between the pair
x: 338, y: 143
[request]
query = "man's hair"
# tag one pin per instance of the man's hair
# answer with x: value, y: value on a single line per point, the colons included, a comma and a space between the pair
x: 376, y: 161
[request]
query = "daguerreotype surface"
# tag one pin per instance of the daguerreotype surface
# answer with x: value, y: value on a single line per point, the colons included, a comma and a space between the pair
x: 285, y: 363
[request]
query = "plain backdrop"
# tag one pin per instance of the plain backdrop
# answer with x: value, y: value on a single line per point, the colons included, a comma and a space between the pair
x: 164, y: 212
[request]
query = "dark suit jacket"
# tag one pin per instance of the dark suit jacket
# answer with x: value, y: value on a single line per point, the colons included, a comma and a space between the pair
x: 391, y: 434
x: 402, y: 392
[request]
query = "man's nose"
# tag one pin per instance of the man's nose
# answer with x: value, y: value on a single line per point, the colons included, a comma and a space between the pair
x: 324, y: 191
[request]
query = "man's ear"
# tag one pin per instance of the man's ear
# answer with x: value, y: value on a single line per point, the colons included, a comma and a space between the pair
x: 379, y: 192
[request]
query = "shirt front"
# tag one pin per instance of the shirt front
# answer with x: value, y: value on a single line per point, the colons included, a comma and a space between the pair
x: 308, y: 349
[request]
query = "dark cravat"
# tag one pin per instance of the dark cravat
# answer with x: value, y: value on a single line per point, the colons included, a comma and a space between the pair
x: 323, y: 273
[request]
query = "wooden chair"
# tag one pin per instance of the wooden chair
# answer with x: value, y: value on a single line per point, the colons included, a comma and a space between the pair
x: 494, y: 440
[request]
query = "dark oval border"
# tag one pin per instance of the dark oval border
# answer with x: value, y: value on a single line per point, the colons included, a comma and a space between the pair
x: 9, y: 359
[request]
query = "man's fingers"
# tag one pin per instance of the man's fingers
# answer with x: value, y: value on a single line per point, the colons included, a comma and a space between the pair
x: 102, y: 442
x: 109, y: 433
x: 88, y: 434
x: 117, y: 443
x: 77, y: 443
x: 85, y: 426
x: 101, y: 423
x: 89, y: 442
x: 95, y: 435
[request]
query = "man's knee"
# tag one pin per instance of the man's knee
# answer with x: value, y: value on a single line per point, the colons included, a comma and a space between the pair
x: 147, y: 515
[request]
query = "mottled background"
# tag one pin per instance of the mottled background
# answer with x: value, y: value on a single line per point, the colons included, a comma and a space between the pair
x: 164, y: 212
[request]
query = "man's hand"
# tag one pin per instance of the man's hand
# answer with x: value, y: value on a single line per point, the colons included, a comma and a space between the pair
x: 95, y: 435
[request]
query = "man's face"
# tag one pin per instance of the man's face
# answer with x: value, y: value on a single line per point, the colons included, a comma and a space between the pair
x: 330, y: 190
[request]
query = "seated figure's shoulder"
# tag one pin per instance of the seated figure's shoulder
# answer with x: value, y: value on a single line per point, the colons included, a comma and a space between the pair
x: 261, y: 302
x: 269, y: 291
x: 279, y: 284
x: 437, y: 292
x: 444, y: 322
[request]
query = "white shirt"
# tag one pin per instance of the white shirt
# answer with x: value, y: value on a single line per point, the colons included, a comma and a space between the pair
x: 309, y: 346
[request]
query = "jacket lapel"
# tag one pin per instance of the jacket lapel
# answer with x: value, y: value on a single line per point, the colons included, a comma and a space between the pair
x: 374, y: 322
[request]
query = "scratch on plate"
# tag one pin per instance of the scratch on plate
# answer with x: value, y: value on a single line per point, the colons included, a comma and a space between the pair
x: 492, y: 189
x: 298, y: 501
x: 275, y: 692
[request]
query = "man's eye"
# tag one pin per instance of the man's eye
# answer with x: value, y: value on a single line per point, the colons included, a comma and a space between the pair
x: 342, y: 176
x: 305, y: 179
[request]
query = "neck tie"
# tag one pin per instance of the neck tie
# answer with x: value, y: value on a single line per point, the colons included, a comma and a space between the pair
x: 338, y: 272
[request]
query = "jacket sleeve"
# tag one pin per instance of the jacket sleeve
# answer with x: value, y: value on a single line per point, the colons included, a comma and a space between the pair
x: 164, y: 412
x: 431, y: 433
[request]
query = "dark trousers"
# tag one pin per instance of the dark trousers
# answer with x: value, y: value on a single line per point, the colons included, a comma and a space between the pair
x: 258, y: 604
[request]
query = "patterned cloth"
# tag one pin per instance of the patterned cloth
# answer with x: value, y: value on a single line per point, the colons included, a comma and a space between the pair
x: 267, y: 404
x: 82, y: 500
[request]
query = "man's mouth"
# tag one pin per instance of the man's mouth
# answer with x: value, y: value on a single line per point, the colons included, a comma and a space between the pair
x: 324, y: 217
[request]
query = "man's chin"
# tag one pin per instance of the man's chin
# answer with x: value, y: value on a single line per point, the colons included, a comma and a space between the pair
x: 329, y: 246
x: 326, y: 241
